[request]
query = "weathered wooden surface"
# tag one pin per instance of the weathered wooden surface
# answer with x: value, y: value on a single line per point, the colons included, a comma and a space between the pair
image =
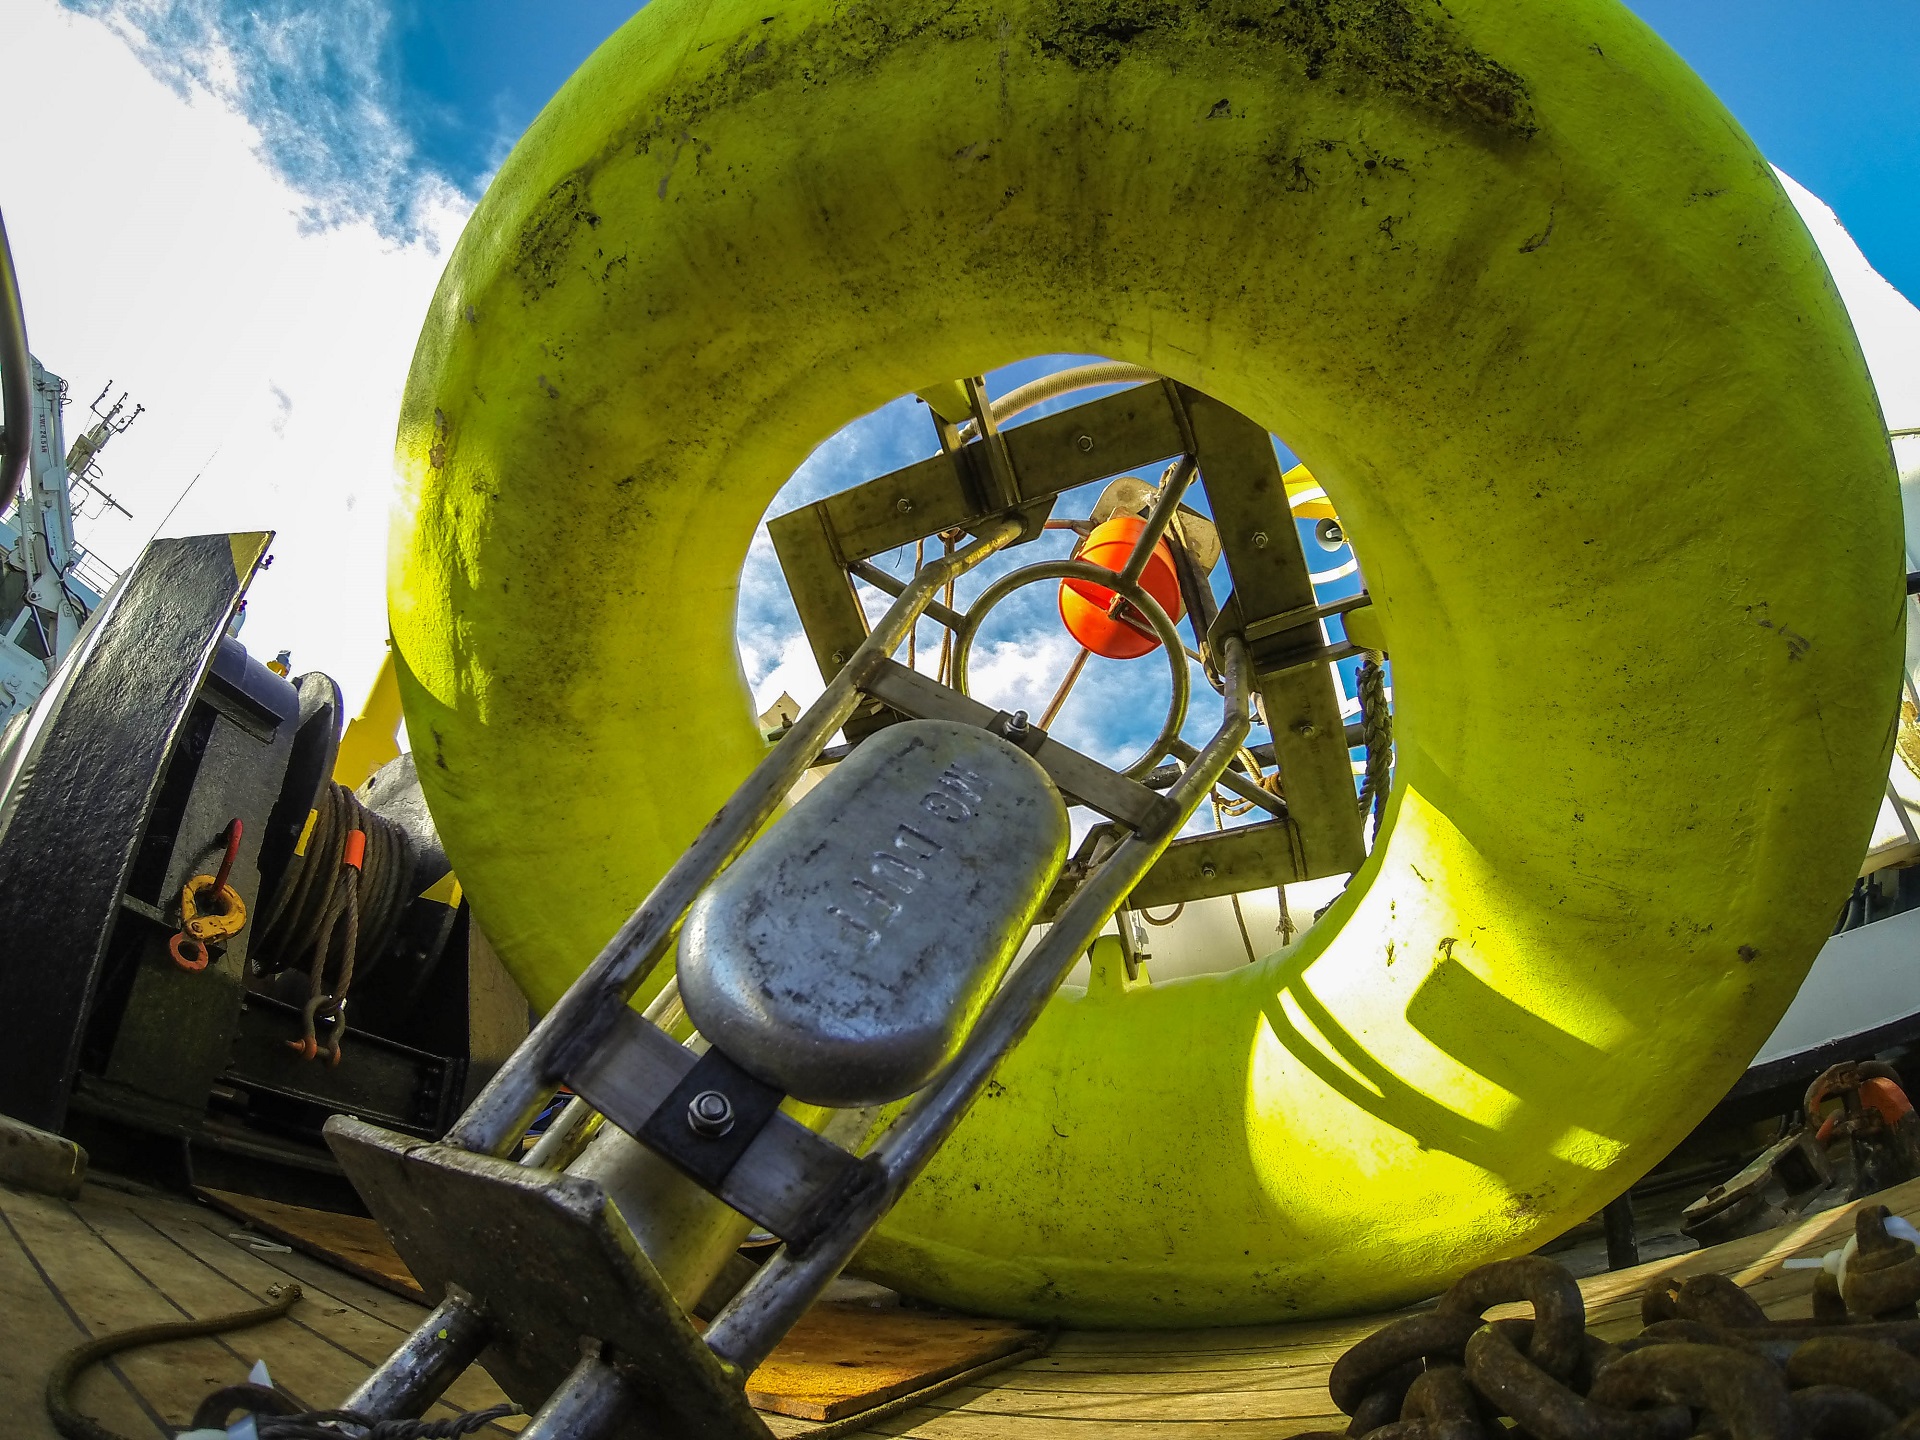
x: 354, y: 1243
x: 113, y: 1259
x: 844, y: 1359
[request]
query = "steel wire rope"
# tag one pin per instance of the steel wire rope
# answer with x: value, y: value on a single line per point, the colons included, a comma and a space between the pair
x: 337, y: 914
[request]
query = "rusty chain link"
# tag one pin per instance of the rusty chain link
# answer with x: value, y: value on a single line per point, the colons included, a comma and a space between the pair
x: 1708, y: 1362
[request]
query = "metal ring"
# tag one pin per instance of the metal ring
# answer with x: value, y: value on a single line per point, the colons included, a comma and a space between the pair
x: 1107, y: 579
x: 188, y: 952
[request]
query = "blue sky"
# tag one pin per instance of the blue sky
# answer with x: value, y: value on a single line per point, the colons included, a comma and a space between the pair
x: 1831, y: 91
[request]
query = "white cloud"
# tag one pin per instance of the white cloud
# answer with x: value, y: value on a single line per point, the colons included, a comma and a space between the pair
x: 169, y: 256
x: 1885, y: 320
x: 173, y: 257
x: 313, y: 80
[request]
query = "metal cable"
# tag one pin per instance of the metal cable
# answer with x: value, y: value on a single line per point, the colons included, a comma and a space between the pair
x: 339, y: 912
x: 303, y: 914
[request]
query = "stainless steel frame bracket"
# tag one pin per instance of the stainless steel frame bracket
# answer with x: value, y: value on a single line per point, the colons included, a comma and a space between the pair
x: 543, y: 1254
x: 547, y: 1259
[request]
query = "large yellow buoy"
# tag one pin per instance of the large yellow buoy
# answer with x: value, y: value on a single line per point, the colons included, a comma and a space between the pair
x: 1542, y: 322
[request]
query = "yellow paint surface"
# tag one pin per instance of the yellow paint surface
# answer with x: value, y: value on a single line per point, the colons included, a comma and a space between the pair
x: 1572, y: 373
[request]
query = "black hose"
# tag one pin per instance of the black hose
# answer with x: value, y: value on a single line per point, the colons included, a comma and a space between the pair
x: 68, y: 1420
x: 16, y: 390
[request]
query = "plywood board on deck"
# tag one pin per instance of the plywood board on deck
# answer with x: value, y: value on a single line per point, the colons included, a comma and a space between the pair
x: 843, y: 1359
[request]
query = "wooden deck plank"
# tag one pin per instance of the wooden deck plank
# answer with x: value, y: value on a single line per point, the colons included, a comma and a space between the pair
x: 1218, y: 1362
x: 168, y: 1380
x: 1161, y: 1382
x: 151, y: 1257
x: 1196, y: 1402
x: 38, y: 1329
x: 301, y: 1361
x: 965, y: 1425
x: 389, y: 1309
x: 365, y: 1338
x: 354, y: 1243
x: 1334, y: 1335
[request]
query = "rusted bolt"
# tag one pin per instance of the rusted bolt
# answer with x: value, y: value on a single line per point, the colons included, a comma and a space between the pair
x: 1259, y: 539
x: 903, y: 505
x: 710, y: 1113
x: 1085, y: 442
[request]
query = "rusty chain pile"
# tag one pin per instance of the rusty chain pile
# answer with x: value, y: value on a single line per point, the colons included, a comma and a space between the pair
x: 1708, y: 1362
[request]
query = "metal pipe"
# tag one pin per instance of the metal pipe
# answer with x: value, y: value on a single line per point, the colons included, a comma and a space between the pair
x: 1064, y: 382
x: 1242, y: 785
x: 896, y: 587
x: 1052, y: 711
x: 746, y: 1331
x: 500, y: 1114
x: 559, y: 1137
x: 595, y: 1402
x: 686, y: 1233
x: 435, y: 1355
x: 1158, y: 518
x: 1623, y: 1241
x: 1165, y: 775
x: 16, y: 388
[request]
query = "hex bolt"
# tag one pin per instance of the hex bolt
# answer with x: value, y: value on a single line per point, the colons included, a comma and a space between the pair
x: 1306, y: 730
x: 904, y: 505
x: 710, y: 1113
x: 1259, y: 539
x: 1016, y: 726
x: 1085, y: 442
x: 839, y: 657
x: 1208, y: 869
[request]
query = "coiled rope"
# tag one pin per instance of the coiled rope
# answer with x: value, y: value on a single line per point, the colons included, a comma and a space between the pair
x: 339, y: 910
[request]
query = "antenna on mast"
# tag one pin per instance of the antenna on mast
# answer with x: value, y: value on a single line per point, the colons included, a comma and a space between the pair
x: 83, y: 459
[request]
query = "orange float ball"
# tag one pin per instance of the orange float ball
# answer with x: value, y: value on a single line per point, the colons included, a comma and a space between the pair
x: 1087, y: 609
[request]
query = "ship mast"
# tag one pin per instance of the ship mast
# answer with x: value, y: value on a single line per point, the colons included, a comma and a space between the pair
x: 49, y: 583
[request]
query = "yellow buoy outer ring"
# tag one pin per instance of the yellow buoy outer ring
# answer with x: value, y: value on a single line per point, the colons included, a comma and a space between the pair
x: 1540, y: 319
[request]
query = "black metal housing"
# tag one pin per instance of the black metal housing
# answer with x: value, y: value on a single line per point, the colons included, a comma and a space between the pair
x: 156, y: 734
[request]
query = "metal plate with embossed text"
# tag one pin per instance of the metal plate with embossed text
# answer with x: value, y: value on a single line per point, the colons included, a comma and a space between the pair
x: 846, y: 954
